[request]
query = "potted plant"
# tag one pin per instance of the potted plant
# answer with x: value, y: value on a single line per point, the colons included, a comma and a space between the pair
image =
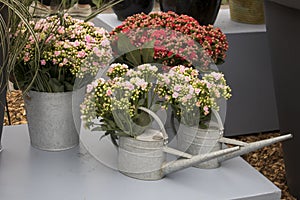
x: 12, y: 13
x: 130, y: 7
x: 205, y: 11
x: 120, y: 106
x: 194, y: 102
x: 71, y: 52
x: 169, y: 39
x: 115, y: 101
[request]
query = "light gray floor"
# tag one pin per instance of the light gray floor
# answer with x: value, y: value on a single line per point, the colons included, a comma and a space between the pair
x: 30, y: 174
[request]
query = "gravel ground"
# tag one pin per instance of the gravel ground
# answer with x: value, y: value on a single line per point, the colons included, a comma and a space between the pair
x: 268, y: 160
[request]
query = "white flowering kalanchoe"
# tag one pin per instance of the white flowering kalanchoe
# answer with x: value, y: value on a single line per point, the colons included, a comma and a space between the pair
x: 216, y: 85
x: 190, y: 97
x: 114, y: 102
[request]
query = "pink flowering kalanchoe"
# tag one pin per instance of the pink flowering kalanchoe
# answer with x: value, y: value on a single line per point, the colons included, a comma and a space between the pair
x: 70, y: 49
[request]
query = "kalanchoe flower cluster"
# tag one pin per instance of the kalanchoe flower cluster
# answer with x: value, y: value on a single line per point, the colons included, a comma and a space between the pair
x: 212, y: 40
x: 171, y: 47
x: 116, y: 100
x: 116, y: 70
x: 70, y: 48
x: 189, y: 96
x: 216, y: 84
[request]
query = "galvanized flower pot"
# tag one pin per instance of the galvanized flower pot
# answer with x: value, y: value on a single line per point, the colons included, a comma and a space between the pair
x: 141, y: 159
x: 197, y: 141
x: 54, y: 119
x: 200, y: 141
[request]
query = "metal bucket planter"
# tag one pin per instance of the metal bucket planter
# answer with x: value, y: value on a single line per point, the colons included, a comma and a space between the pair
x: 197, y: 141
x: 2, y: 110
x: 53, y: 119
x: 141, y: 159
x: 200, y: 141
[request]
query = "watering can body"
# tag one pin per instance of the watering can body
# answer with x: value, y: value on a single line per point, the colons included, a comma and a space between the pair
x: 141, y: 159
x: 145, y: 159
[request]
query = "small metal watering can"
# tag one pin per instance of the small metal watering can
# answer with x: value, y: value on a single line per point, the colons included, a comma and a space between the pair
x: 144, y: 157
x: 196, y: 141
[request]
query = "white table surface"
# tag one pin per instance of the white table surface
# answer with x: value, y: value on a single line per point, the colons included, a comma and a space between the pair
x: 27, y: 173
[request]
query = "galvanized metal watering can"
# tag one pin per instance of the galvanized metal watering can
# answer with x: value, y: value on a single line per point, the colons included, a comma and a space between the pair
x: 144, y: 157
x: 196, y: 141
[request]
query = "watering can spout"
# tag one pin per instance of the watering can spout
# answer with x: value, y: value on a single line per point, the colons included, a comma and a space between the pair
x: 177, y: 165
x: 248, y: 147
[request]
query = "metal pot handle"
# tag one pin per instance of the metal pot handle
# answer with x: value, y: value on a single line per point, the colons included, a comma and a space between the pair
x: 221, y: 128
x: 219, y: 120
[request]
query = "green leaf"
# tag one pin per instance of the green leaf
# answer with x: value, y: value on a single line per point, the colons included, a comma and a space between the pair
x: 124, y: 45
x: 97, y: 3
x: 55, y: 85
x: 45, y: 70
x: 99, y: 129
x: 131, y: 52
x: 147, y: 52
x: 138, y: 130
x: 111, y: 124
x: 106, y: 134
x: 122, y: 120
x: 156, y: 107
x: 135, y: 57
x: 141, y: 102
x: 142, y: 119
x: 114, y: 139
x: 68, y: 86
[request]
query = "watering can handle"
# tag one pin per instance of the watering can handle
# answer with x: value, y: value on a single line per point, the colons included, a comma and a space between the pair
x: 219, y: 120
x: 157, y: 119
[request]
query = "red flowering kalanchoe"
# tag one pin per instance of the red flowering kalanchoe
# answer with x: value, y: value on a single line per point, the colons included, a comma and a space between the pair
x: 176, y: 39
